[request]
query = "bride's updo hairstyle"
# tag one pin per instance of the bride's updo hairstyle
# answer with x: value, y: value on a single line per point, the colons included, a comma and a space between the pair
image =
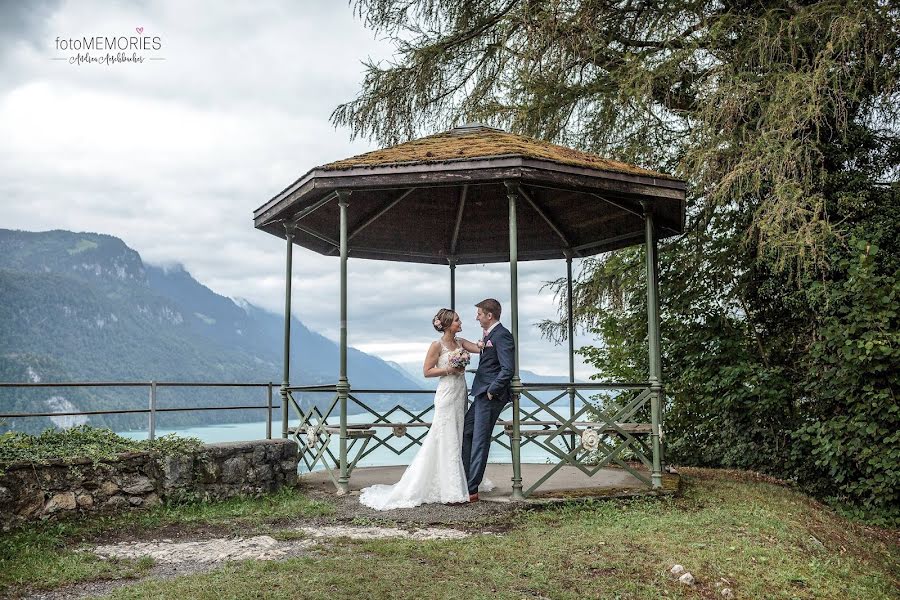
x: 443, y: 319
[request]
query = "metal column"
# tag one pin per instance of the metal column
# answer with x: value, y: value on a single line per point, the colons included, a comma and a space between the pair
x: 516, y: 383
x: 343, y: 386
x: 286, y: 369
x: 453, y: 284
x: 571, y: 334
x: 653, y: 343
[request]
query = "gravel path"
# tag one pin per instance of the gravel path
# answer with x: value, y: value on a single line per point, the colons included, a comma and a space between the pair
x: 260, y: 547
x: 176, y: 557
x: 173, y: 559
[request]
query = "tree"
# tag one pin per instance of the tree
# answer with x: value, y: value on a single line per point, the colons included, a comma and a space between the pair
x: 782, y: 117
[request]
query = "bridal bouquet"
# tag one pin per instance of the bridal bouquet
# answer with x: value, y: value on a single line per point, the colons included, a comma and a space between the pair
x: 459, y: 358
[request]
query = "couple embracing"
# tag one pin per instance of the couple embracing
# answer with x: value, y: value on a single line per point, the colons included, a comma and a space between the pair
x: 449, y: 467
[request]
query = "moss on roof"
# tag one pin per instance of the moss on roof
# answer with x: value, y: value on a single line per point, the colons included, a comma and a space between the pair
x: 478, y: 143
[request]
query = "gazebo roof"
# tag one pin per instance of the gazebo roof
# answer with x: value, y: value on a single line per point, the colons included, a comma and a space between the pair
x: 480, y: 142
x: 444, y: 197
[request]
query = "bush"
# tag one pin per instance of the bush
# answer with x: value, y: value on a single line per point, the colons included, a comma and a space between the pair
x: 852, y: 418
x: 795, y: 378
x: 83, y: 442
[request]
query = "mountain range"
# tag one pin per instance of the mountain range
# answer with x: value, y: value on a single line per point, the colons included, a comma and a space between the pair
x: 81, y: 307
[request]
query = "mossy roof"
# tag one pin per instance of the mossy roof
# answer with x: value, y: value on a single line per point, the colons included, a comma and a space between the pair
x: 479, y: 142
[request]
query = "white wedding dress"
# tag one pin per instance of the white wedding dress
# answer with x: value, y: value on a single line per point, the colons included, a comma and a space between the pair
x: 436, y: 474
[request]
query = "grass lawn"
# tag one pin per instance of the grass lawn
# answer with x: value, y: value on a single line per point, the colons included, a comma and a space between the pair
x: 759, y: 539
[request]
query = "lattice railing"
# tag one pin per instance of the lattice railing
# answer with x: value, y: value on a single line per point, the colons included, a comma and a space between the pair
x: 599, y: 432
x: 587, y: 444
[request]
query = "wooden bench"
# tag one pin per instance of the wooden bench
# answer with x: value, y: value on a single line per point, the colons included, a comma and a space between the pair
x: 551, y: 427
x: 364, y: 430
x: 589, y: 433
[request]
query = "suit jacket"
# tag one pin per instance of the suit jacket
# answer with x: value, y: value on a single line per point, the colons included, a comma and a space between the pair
x: 495, y: 365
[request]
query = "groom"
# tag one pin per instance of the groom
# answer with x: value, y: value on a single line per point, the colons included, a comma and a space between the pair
x: 490, y: 390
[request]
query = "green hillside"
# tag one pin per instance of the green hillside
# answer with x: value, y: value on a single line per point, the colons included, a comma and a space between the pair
x: 84, y: 307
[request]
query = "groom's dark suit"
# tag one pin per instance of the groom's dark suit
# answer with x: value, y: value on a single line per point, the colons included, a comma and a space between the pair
x: 495, y: 370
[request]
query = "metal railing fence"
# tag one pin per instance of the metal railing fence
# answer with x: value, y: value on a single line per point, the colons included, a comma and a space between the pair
x: 152, y: 409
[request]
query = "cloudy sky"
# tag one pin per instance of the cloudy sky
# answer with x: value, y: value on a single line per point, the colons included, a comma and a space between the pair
x: 174, y: 155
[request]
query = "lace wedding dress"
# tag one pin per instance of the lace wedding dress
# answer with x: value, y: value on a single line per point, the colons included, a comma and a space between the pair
x: 436, y: 474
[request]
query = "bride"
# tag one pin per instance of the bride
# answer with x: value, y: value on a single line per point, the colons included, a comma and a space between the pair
x: 436, y: 474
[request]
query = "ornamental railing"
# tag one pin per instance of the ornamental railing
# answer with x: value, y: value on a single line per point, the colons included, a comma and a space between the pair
x: 611, y: 427
x: 619, y: 428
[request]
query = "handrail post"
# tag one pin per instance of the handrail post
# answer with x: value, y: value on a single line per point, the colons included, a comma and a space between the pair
x: 151, y: 434
x: 269, y: 411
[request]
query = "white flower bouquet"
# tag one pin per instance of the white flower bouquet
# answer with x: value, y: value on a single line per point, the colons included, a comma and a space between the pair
x: 459, y: 359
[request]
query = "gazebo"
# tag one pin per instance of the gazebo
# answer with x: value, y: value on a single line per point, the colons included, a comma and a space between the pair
x: 428, y: 201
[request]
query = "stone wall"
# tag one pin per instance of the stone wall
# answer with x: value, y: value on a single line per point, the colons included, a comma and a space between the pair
x: 137, y: 480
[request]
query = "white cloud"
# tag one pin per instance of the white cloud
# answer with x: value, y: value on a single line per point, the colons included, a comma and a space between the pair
x: 173, y: 156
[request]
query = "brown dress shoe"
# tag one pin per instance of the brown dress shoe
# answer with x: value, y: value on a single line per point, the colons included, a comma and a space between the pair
x: 473, y: 497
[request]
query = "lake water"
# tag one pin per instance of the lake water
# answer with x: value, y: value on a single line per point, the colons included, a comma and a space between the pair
x: 233, y: 432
